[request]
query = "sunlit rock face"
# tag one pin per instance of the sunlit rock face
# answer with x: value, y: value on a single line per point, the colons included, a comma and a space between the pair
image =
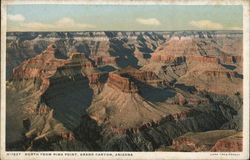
x: 124, y: 91
x: 210, y: 141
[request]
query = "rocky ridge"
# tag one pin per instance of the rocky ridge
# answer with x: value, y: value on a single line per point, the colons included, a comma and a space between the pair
x: 210, y: 141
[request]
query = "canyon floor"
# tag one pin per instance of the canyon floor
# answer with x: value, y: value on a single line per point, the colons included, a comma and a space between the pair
x: 176, y: 91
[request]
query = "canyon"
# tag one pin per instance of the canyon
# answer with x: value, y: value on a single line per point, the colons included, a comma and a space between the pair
x: 124, y: 91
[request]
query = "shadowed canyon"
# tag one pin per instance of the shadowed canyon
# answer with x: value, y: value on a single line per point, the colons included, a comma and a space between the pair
x: 124, y: 91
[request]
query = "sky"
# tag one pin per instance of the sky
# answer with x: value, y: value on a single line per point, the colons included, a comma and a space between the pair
x: 65, y: 17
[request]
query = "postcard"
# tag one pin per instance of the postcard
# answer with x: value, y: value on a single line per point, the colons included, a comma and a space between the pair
x: 124, y: 79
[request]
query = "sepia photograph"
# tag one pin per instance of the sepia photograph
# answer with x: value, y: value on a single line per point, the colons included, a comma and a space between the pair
x: 124, y: 80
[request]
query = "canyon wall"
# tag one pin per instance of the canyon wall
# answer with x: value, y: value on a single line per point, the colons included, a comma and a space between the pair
x: 124, y: 91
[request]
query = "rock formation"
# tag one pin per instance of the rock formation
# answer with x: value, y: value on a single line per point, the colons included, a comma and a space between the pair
x: 210, y: 141
x: 124, y: 91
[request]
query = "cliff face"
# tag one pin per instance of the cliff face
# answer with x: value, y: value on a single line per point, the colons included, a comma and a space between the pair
x: 210, y: 141
x: 42, y: 65
x: 104, y: 60
x: 124, y: 84
x: 198, y: 49
x: 218, y: 79
x: 207, y: 61
x: 125, y: 91
x: 232, y: 143
x: 35, y: 71
x: 149, y: 77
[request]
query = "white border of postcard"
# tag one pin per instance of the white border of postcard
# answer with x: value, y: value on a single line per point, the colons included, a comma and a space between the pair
x: 130, y: 155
